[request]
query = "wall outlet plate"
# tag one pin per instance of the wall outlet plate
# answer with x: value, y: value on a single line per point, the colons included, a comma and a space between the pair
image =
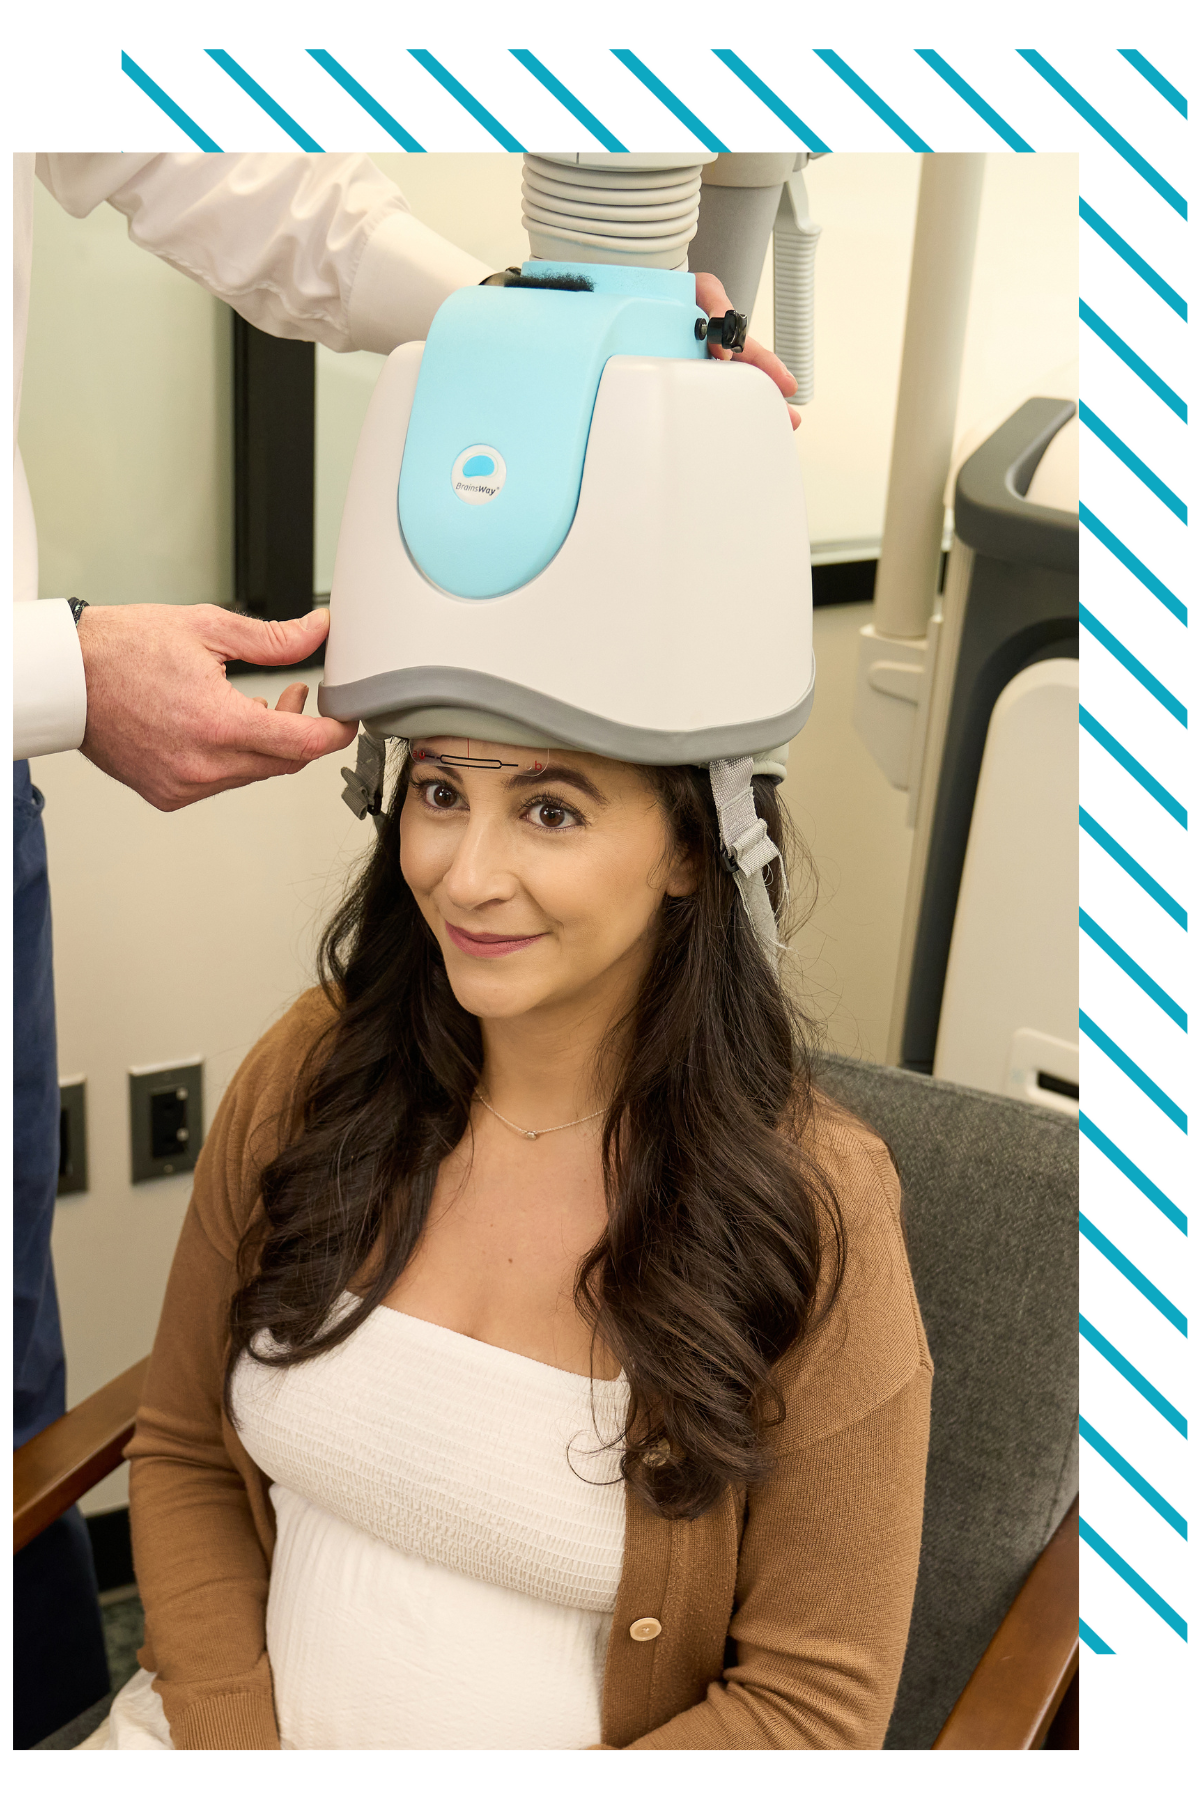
x: 72, y: 1137
x: 166, y: 1119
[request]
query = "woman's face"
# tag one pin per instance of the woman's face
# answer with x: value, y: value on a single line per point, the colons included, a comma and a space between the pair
x: 541, y: 879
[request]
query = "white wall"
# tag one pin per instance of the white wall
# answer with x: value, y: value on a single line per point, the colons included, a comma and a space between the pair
x: 126, y: 418
x: 188, y: 934
x: 842, y: 964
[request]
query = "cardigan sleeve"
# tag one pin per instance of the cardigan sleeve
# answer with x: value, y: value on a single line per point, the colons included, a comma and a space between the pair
x: 201, y: 1521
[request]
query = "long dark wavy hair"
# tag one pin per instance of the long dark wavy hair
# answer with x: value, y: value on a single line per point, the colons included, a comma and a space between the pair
x: 718, y: 1219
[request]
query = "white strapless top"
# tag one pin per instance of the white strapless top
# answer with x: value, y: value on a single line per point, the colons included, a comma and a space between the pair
x: 451, y: 1526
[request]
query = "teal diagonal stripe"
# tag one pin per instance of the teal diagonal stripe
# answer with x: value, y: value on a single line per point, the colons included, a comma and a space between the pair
x: 1134, y: 970
x: 771, y: 100
x: 1109, y: 133
x: 1093, y: 1640
x: 1129, y: 661
x: 1133, y: 869
x: 1132, y: 461
x: 1170, y: 94
x: 466, y: 99
x: 1133, y: 767
x: 974, y: 100
x: 664, y: 95
x: 566, y: 98
x: 1132, y: 360
x: 1132, y: 1274
x: 368, y: 102
x: 1129, y: 1574
x: 869, y: 97
x: 1136, y: 567
x: 1134, y: 1377
x: 1137, y: 1482
x: 1141, y: 1181
x: 1130, y: 256
x: 261, y: 98
x: 166, y: 105
x: 1136, y: 1074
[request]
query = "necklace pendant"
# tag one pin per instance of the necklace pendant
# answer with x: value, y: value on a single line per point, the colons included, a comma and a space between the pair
x: 532, y: 1136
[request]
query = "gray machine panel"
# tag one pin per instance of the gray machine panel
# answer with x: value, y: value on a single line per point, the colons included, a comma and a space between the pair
x: 991, y: 512
x: 1022, y: 607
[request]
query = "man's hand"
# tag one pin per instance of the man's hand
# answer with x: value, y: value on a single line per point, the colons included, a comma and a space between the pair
x: 716, y: 302
x: 163, y: 719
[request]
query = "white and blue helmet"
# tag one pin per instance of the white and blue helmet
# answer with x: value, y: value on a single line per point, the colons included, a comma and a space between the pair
x: 568, y: 526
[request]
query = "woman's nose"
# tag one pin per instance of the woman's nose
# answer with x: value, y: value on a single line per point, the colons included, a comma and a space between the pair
x: 479, y: 871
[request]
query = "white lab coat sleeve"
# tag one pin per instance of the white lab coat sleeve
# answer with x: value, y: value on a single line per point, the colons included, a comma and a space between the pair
x: 321, y: 247
x: 49, y: 692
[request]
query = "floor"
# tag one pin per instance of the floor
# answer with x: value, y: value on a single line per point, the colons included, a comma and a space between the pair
x: 123, y: 1625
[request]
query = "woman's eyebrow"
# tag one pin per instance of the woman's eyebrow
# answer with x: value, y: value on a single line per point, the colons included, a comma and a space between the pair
x: 437, y: 769
x: 558, y: 772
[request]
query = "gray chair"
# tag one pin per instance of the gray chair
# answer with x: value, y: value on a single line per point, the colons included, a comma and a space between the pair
x: 990, y: 1197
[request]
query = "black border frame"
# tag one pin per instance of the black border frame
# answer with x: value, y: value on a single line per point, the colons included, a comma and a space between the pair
x: 274, y: 478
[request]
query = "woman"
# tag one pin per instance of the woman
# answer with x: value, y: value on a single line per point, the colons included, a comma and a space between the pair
x: 540, y: 1365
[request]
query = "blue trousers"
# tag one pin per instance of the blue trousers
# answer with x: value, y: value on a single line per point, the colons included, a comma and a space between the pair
x: 39, y: 1369
x: 58, y: 1641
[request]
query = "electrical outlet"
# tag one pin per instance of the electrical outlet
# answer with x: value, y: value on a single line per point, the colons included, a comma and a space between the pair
x: 166, y: 1119
x: 72, y: 1137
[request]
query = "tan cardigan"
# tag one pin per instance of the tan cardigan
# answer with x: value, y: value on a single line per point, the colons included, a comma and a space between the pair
x: 784, y: 1611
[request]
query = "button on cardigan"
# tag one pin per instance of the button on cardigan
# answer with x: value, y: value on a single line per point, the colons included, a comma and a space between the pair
x: 781, y: 1614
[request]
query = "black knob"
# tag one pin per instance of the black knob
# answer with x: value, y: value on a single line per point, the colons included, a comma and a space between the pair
x: 729, y: 332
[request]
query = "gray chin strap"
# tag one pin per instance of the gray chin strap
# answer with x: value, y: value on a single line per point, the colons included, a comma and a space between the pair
x: 747, y: 847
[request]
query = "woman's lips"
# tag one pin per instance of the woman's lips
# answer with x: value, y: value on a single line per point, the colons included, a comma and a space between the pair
x: 487, y: 943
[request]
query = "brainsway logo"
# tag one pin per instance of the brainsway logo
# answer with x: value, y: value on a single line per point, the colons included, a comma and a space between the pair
x: 478, y: 474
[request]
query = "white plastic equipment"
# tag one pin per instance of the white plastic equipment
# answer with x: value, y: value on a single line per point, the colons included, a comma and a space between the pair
x: 1010, y: 1008
x: 634, y: 641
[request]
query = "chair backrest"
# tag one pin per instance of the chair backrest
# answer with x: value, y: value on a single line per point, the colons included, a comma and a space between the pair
x: 991, y: 1212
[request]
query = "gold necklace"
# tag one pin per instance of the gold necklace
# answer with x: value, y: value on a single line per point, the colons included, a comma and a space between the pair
x: 545, y: 1129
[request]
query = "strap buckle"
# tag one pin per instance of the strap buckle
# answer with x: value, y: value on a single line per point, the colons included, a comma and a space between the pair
x: 738, y: 858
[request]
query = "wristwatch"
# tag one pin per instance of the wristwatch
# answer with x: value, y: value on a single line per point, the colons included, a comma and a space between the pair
x: 76, y: 607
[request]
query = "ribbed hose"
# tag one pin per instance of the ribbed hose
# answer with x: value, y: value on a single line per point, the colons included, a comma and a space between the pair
x: 615, y: 214
x: 795, y: 288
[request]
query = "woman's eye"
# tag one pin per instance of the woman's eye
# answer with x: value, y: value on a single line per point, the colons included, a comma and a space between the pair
x: 440, y: 794
x: 550, y: 815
